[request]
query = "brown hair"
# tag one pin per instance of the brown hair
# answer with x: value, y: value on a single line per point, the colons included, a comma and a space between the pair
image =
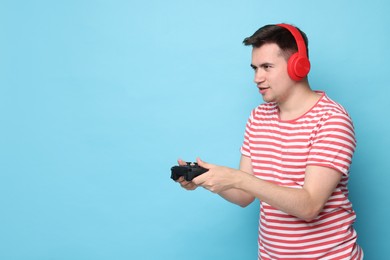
x: 275, y: 34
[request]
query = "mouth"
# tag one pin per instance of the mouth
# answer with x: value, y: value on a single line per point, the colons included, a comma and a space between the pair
x: 262, y: 90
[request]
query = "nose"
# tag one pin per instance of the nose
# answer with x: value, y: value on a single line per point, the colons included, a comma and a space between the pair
x: 259, y: 76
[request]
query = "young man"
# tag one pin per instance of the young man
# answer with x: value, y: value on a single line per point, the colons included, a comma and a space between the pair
x: 296, y: 156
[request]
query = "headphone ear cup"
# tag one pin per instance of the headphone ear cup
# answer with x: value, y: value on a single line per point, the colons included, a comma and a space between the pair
x: 298, y: 67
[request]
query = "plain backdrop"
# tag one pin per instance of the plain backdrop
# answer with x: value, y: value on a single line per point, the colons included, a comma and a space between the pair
x: 98, y: 100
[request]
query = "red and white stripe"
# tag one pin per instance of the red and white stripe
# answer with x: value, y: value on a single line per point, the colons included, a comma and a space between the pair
x: 280, y: 151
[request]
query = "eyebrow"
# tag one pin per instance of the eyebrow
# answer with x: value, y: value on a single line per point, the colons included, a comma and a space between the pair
x: 262, y: 65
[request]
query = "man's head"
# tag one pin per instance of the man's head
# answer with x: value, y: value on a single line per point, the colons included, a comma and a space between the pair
x: 292, y: 43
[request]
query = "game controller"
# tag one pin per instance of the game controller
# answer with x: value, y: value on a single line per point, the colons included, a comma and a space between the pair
x: 188, y: 171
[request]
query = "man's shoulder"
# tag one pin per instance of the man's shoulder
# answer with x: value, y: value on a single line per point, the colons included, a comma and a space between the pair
x: 266, y: 107
x: 329, y: 111
x: 331, y: 107
x: 264, y: 111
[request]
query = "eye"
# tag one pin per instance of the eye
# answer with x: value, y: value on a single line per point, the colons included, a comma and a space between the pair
x: 266, y: 66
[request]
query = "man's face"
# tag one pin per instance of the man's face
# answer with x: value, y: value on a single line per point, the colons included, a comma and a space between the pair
x: 271, y: 75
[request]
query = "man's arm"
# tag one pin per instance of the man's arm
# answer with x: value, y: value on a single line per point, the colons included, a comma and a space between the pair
x: 239, y: 196
x: 305, y: 203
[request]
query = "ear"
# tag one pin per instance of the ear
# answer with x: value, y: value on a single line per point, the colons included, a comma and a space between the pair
x: 298, y: 67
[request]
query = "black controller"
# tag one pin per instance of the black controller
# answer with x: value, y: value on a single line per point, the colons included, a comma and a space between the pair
x: 189, y: 171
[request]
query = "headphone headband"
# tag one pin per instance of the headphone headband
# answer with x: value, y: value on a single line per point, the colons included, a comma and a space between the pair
x: 298, y: 64
x: 298, y: 38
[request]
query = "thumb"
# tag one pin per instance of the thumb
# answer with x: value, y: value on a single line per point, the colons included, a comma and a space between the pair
x: 204, y: 164
x: 181, y: 162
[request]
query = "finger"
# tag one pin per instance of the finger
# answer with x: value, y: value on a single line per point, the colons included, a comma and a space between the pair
x: 181, y: 162
x: 180, y: 180
x: 204, y: 164
x: 188, y: 185
x: 199, y: 180
x: 183, y: 182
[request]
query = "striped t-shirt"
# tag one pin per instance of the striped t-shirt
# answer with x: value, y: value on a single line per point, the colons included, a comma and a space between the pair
x: 280, y: 151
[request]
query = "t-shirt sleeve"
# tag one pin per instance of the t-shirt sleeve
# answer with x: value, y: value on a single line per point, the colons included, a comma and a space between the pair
x: 334, y: 143
x: 245, y: 148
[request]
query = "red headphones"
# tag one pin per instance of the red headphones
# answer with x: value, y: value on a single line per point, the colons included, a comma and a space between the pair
x: 298, y: 65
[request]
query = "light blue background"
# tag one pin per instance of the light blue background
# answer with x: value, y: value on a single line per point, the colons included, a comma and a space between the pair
x: 98, y: 99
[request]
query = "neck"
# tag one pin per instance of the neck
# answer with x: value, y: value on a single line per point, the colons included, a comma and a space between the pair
x: 300, y: 100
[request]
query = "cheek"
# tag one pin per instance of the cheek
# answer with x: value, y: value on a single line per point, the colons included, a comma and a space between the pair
x: 280, y: 84
x: 282, y: 77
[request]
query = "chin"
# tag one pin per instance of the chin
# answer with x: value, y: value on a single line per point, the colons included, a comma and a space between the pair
x: 267, y: 99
